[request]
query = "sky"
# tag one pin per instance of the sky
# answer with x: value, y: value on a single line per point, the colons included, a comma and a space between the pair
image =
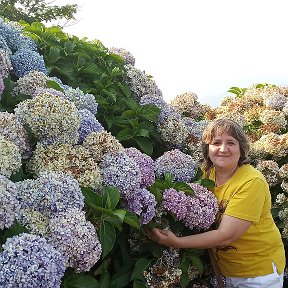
x: 199, y: 46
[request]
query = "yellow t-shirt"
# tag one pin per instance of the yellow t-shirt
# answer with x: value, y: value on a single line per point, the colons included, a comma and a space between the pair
x: 246, y: 196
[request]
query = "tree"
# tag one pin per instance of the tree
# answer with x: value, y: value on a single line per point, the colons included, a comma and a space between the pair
x: 36, y: 10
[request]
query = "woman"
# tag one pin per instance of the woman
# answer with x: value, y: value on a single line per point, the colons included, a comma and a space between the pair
x: 246, y: 244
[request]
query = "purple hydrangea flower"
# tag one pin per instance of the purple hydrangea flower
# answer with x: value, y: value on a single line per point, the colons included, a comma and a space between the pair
x: 76, y: 239
x: 25, y: 61
x: 120, y: 171
x: 28, y: 261
x: 142, y: 203
x: 9, y: 204
x: 50, y: 193
x: 180, y: 165
x: 2, y: 86
x: 145, y: 163
x: 196, y: 212
x: 88, y: 124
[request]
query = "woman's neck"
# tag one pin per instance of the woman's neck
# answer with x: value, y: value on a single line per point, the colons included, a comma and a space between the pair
x: 223, y: 175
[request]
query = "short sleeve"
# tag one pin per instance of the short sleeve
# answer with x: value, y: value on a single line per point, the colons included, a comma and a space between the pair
x: 248, y: 201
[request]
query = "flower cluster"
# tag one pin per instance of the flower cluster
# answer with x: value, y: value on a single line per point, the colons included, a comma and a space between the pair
x: 28, y: 261
x: 270, y: 169
x: 10, y: 157
x: 12, y: 130
x: 196, y: 212
x: 74, y: 160
x: 145, y: 164
x: 5, y: 64
x: 180, y: 165
x: 76, y: 239
x: 9, y: 204
x: 165, y: 272
x: 120, y: 171
x: 142, y: 203
x: 50, y: 193
x: 52, y: 119
x: 25, y: 61
x: 30, y: 82
x: 88, y: 124
x: 128, y: 58
x: 270, y: 144
x: 100, y: 143
x: 140, y: 83
x: 187, y: 104
x: 276, y: 101
x: 81, y: 100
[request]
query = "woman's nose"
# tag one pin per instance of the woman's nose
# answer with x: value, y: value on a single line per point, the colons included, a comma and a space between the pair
x: 223, y: 147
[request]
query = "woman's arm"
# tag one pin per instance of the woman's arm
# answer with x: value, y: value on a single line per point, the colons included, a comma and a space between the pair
x: 229, y: 230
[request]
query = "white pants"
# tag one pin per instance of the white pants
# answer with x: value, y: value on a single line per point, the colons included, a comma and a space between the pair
x: 273, y: 280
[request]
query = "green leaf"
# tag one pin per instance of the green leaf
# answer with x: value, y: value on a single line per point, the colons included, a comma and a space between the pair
x: 184, y: 265
x: 139, y: 284
x: 132, y: 104
x: 54, y: 54
x: 111, y: 197
x: 143, y: 133
x: 207, y: 183
x: 132, y: 219
x: 91, y: 69
x: 69, y: 46
x: 80, y: 280
x: 54, y: 85
x: 125, y: 134
x: 107, y: 237
x: 197, y: 263
x: 121, y: 278
x: 104, y: 280
x: 140, y: 266
x: 91, y: 197
x: 145, y: 145
x: 184, y: 187
x: 150, y: 112
x: 13, y: 230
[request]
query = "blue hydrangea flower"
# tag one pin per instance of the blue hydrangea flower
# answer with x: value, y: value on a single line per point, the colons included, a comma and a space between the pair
x: 194, y: 127
x: 50, y: 193
x: 4, y: 45
x: 120, y: 171
x: 25, y: 61
x: 81, y: 100
x: 145, y: 164
x: 88, y: 124
x: 11, y: 34
x: 179, y: 164
x: 28, y: 261
x: 76, y: 239
x: 9, y: 204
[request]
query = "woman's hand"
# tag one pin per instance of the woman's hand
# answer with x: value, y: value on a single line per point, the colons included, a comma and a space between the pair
x: 163, y: 237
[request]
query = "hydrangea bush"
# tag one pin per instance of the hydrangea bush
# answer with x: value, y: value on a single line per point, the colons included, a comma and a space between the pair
x: 92, y: 156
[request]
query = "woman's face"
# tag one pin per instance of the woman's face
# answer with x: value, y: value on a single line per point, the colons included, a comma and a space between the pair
x: 224, y: 151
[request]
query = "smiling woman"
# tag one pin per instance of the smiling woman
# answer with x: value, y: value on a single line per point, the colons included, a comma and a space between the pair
x: 246, y: 242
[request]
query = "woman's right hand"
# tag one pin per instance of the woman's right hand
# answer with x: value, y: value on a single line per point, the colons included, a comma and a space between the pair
x: 163, y: 237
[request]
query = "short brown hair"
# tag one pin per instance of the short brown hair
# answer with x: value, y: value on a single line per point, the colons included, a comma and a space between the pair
x: 217, y: 127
